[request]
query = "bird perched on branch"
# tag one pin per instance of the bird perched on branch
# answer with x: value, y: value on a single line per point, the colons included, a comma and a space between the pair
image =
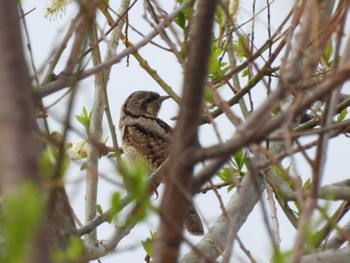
x: 146, y: 136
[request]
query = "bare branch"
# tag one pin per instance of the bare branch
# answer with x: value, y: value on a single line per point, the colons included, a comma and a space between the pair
x: 178, y: 183
x: 63, y: 81
x: 334, y: 256
x: 19, y: 151
x: 214, y: 242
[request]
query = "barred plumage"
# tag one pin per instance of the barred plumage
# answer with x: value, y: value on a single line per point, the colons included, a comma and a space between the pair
x: 146, y: 136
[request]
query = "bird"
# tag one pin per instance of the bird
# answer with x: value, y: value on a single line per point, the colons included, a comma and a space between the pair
x: 146, y: 136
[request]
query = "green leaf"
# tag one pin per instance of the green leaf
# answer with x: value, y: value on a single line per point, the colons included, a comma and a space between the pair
x: 218, y: 17
x: 312, y: 235
x: 282, y: 174
x: 306, y: 185
x: 216, y: 67
x: 72, y: 253
x: 99, y: 209
x: 48, y: 160
x: 45, y: 162
x: 148, y: 244
x: 225, y: 175
x: 208, y: 96
x: 135, y: 180
x: 229, y: 189
x: 245, y: 73
x: 281, y: 257
x: 75, y: 248
x: 134, y: 176
x: 239, y: 160
x: 83, y: 167
x: 342, y: 115
x: 18, y: 225
x: 84, y: 118
x: 184, y: 17
x: 180, y: 20
x: 241, y: 46
x: 328, y: 52
x: 115, y: 206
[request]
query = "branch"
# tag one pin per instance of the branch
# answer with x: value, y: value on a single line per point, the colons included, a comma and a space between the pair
x: 179, y: 180
x: 63, y: 80
x: 98, y: 250
x: 95, y: 133
x: 338, y: 240
x: 152, y: 180
x: 334, y: 256
x: 238, y: 208
x: 335, y: 192
x: 19, y: 151
x: 252, y: 133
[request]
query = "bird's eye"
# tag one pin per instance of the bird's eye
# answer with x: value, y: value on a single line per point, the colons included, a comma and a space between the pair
x: 148, y: 100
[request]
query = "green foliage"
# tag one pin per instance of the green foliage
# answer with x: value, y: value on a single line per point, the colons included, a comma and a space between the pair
x: 115, y: 206
x: 281, y: 257
x: 306, y: 185
x: 241, y: 47
x: 84, y: 118
x: 313, y: 237
x: 22, y: 212
x: 217, y: 68
x: 327, y: 53
x: 148, y: 244
x: 245, y: 73
x: 99, y: 209
x: 181, y: 20
x: 342, y: 115
x: 239, y: 161
x: 134, y: 176
x: 218, y: 17
x: 74, y: 250
x: 282, y: 173
x: 225, y: 174
x: 47, y: 163
x: 208, y: 97
x: 135, y: 180
x: 184, y: 17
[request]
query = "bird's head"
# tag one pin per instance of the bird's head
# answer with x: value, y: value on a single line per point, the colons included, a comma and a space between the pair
x: 141, y: 102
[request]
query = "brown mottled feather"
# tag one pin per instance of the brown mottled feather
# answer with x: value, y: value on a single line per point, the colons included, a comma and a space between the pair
x: 146, y: 136
x: 138, y: 143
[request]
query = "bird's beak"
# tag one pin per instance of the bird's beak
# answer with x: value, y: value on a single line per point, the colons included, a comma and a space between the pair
x: 163, y: 98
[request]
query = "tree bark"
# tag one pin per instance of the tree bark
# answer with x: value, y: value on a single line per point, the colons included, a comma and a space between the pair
x: 179, y: 181
x: 19, y: 145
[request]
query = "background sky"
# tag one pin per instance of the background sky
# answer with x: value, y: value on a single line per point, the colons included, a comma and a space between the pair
x: 45, y: 35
